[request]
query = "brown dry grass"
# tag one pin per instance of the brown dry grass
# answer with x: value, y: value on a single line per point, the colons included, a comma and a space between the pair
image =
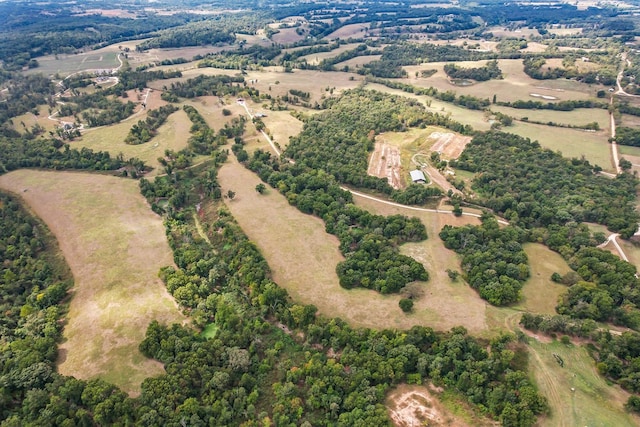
x: 172, y: 135
x: 540, y: 294
x: 282, y: 126
x: 351, y: 30
x: 303, y: 258
x: 115, y: 246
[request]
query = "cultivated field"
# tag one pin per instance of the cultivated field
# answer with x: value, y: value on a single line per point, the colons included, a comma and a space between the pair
x: 385, y: 162
x: 115, y: 246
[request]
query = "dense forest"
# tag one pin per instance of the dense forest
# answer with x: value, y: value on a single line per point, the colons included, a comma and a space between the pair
x: 533, y: 186
x: 493, y: 260
x: 487, y: 72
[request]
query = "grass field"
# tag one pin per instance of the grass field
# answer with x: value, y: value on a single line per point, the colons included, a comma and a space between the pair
x: 514, y: 86
x: 282, y: 126
x: 593, y: 403
x: 303, y: 257
x: 316, y: 58
x: 594, y: 146
x: 115, y: 246
x: 577, y: 117
x: 540, y: 294
x: 172, y: 135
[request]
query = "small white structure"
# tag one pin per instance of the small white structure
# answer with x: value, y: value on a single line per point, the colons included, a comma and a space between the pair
x: 418, y: 176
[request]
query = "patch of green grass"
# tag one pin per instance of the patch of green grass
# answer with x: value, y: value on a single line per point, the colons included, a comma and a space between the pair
x: 540, y: 294
x: 594, y: 146
x: 577, y: 394
x: 210, y: 331
x: 577, y: 117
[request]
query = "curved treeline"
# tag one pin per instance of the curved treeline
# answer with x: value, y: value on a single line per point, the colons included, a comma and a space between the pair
x: 17, y: 153
x: 368, y: 242
x: 536, y: 187
x: 493, y: 260
x: 481, y: 74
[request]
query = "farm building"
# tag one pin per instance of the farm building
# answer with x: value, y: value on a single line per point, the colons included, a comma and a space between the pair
x: 418, y: 176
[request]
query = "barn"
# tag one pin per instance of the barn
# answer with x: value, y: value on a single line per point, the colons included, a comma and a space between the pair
x: 418, y: 176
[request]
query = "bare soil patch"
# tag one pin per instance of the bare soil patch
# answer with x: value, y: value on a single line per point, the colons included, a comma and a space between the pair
x: 385, y: 163
x: 448, y: 144
x: 411, y: 405
x: 114, y: 245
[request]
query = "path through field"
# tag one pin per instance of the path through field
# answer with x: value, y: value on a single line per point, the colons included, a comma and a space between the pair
x: 115, y: 246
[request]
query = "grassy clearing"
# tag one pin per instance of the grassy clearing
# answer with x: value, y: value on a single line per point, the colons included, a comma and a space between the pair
x: 29, y: 119
x: 352, y: 30
x: 316, y: 58
x: 629, y: 121
x: 593, y: 403
x: 577, y: 117
x: 358, y: 61
x: 282, y: 126
x: 172, y: 135
x: 594, y: 146
x: 303, y: 257
x: 114, y: 246
x: 514, y: 86
x: 540, y: 294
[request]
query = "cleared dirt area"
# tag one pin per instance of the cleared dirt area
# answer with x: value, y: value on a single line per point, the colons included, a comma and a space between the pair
x: 449, y: 144
x: 411, y: 406
x: 115, y: 246
x: 385, y: 163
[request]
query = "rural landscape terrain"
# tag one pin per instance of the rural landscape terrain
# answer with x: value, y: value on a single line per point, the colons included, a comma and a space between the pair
x: 371, y: 213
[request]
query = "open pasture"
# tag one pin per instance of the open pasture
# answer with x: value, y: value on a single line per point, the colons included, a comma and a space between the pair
x: 282, y: 126
x: 357, y: 61
x: 115, y: 246
x: 577, y: 117
x: 172, y: 135
x: 594, y: 146
x: 520, y: 33
x: 515, y: 85
x: 317, y: 83
x: 540, y: 294
x: 303, y: 257
x: 316, y: 58
x: 288, y: 35
x: 576, y: 393
x: 349, y: 31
